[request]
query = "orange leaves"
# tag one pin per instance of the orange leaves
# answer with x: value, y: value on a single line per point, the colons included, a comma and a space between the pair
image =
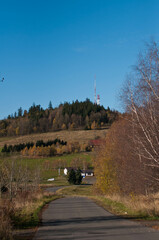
x: 53, y: 150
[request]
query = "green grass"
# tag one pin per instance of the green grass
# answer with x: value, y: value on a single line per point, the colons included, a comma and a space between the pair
x: 59, y: 181
x: 121, y: 209
x: 115, y: 207
x: 76, y: 190
x: 47, y: 166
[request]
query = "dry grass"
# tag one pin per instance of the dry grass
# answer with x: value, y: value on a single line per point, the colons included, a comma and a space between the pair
x: 6, y: 210
x: 26, y: 204
x: 139, y: 207
x: 22, y: 212
x: 81, y: 136
x: 144, y: 206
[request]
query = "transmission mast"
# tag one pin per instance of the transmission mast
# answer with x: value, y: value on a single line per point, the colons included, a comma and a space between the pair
x: 96, y: 97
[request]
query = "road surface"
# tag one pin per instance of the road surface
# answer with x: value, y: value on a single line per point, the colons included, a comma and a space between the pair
x: 81, y: 219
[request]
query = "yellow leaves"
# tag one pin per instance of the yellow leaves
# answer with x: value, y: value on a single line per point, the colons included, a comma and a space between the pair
x: 63, y: 126
x: 34, y: 129
x: 54, y: 121
x: 72, y: 126
x: 24, y: 152
x: 93, y: 125
x: 55, y: 149
x: 59, y: 150
x: 39, y: 151
x: 104, y: 168
x: 17, y: 131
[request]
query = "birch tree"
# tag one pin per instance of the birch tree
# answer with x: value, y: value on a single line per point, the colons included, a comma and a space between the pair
x: 141, y: 98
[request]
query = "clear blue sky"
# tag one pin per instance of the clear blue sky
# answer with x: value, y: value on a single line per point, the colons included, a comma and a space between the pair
x: 51, y: 49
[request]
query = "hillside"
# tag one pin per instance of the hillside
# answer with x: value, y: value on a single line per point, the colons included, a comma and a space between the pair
x: 81, y: 136
x: 68, y: 116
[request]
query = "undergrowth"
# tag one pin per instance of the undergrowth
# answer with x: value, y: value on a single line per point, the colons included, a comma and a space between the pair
x: 23, y: 212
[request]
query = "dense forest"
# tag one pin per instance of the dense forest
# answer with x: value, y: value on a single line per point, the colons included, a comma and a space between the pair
x: 75, y: 115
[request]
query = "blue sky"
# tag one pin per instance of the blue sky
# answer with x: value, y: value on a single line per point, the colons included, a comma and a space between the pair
x: 51, y: 49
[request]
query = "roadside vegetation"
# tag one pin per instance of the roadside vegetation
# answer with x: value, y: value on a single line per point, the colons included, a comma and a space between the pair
x: 127, y: 164
x: 136, y: 207
x: 22, y: 212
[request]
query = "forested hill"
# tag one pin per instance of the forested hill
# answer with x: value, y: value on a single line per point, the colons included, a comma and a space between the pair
x: 75, y: 115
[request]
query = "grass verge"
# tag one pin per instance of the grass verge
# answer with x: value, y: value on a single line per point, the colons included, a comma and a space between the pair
x: 28, y: 217
x: 76, y: 190
x: 125, y: 209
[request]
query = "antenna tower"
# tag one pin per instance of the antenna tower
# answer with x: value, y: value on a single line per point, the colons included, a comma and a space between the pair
x: 98, y: 99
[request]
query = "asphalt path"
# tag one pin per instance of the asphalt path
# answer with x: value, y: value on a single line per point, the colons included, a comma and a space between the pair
x: 80, y: 218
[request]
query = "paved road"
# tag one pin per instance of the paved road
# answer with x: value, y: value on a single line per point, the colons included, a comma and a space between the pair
x: 81, y: 219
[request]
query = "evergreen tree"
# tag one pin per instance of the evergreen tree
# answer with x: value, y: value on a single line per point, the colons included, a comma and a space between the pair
x: 50, y: 105
x: 5, y: 148
x: 20, y: 112
x: 15, y: 115
x: 78, y: 177
x: 72, y: 176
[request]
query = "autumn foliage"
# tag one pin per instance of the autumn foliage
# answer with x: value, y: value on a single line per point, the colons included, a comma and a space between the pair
x: 58, y: 149
x: 76, y: 115
x: 128, y: 162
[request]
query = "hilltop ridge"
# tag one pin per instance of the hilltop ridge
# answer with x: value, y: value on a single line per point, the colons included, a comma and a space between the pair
x: 68, y: 116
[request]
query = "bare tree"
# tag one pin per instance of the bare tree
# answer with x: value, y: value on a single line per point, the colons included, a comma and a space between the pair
x: 141, y: 98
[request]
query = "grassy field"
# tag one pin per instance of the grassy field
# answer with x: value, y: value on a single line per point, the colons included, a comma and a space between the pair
x: 81, y: 136
x: 49, y: 166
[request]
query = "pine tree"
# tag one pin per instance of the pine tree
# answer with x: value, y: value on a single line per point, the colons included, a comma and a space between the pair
x: 50, y: 105
x: 72, y: 177
x: 20, y: 112
x: 78, y: 177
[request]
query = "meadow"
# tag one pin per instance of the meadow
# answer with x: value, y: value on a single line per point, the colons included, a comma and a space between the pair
x: 49, y: 167
x: 81, y: 136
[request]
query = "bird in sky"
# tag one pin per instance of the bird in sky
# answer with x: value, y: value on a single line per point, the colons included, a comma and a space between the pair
x: 2, y: 80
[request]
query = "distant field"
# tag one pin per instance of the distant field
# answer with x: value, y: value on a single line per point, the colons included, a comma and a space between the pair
x: 69, y: 136
x: 49, y: 166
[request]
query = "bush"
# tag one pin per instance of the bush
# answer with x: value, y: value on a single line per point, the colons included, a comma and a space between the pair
x: 78, y: 177
x: 6, y: 210
x: 74, y: 177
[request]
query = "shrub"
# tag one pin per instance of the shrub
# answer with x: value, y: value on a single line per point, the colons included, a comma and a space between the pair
x: 72, y: 176
x: 6, y: 210
x: 78, y: 177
